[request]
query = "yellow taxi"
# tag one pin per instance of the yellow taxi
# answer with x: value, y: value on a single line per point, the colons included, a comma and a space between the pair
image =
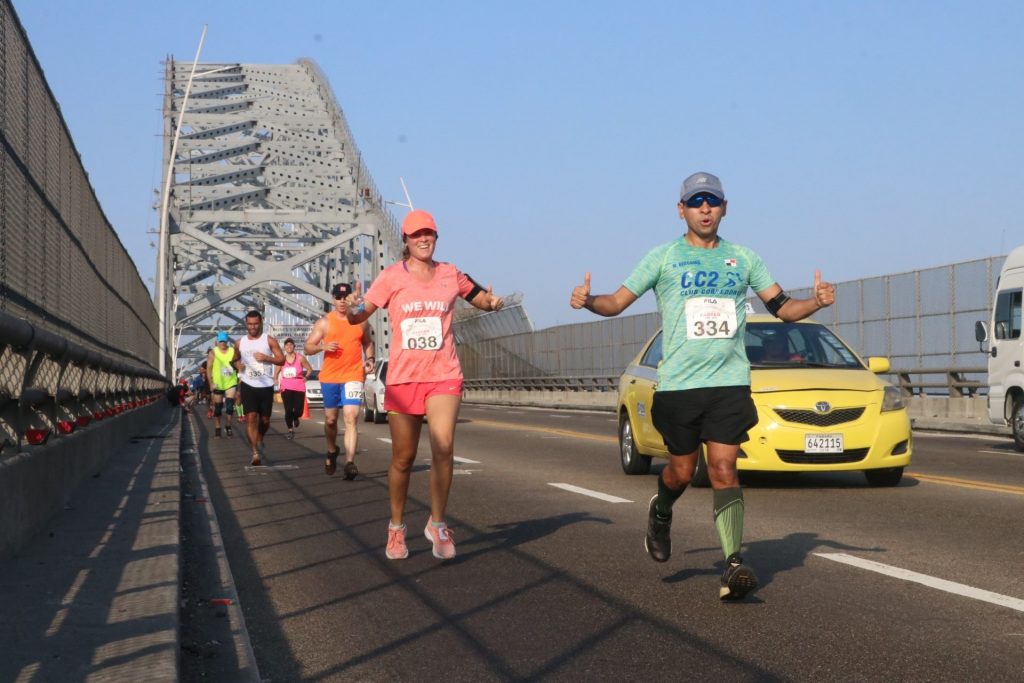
x: 820, y: 407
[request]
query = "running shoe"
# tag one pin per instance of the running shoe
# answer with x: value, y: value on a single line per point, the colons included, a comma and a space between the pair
x: 209, y: 413
x: 216, y: 433
x: 738, y: 579
x: 658, y: 540
x: 441, y: 537
x: 396, y: 549
x: 255, y: 462
x: 291, y: 435
x: 350, y: 470
x: 331, y: 466
x: 227, y: 430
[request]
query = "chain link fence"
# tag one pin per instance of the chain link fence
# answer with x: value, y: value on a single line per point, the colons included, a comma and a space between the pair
x: 62, y: 266
x: 921, y: 320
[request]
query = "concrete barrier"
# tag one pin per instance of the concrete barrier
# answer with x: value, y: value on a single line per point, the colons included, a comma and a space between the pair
x: 36, y: 483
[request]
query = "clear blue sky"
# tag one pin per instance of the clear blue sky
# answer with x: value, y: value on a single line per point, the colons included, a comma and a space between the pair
x: 550, y: 138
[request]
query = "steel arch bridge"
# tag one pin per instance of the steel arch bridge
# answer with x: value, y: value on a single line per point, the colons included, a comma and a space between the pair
x: 267, y: 204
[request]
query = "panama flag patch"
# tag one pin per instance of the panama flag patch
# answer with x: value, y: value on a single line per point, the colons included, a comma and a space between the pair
x: 730, y: 262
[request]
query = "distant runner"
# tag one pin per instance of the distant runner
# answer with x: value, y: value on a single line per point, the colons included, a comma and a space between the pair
x: 258, y: 353
x: 223, y: 380
x: 291, y: 377
x: 348, y: 356
x: 424, y: 375
x: 703, y: 394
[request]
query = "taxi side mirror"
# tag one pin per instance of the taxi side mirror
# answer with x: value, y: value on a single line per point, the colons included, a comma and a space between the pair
x: 878, y: 365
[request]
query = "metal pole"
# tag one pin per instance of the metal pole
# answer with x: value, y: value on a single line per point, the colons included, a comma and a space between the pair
x: 161, y: 276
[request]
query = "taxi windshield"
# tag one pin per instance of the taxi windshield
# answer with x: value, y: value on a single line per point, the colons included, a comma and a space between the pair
x: 792, y: 345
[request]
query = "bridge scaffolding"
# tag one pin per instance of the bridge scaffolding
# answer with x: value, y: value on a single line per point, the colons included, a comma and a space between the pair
x: 270, y: 204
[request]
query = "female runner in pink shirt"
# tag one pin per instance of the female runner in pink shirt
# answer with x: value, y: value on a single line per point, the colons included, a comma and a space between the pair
x: 424, y: 375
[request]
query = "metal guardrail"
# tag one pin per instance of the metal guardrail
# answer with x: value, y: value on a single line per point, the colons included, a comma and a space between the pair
x: 954, y: 381
x: 51, y: 387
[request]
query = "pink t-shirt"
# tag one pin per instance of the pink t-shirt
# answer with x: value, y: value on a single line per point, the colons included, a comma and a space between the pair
x: 291, y: 375
x: 422, y: 344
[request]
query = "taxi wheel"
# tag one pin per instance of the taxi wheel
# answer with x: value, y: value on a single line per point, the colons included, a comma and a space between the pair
x: 887, y: 476
x: 367, y: 413
x: 631, y: 460
x: 701, y: 479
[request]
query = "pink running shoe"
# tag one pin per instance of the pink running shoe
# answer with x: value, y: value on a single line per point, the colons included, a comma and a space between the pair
x: 396, y: 549
x: 441, y: 537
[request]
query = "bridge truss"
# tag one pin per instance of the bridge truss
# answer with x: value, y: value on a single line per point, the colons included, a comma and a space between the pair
x: 269, y: 204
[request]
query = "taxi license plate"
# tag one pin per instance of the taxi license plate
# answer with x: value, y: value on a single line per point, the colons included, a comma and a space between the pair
x: 823, y: 443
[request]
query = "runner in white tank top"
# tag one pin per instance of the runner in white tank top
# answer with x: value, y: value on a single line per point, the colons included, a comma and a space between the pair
x: 258, y: 353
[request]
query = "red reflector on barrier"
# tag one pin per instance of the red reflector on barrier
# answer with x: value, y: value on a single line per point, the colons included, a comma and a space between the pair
x: 36, y: 436
x: 98, y: 415
x: 82, y: 420
x: 65, y: 426
x: 110, y: 412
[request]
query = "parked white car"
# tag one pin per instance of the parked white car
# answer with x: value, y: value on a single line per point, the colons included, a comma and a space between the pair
x: 314, y: 394
x: 373, y: 394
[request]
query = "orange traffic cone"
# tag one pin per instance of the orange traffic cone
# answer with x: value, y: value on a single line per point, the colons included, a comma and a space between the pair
x: 305, y: 409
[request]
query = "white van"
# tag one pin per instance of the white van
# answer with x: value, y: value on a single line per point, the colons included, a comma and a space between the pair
x: 1006, y: 349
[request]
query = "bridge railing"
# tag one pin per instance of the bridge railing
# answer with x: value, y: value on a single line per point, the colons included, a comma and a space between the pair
x: 50, y: 386
x: 913, y: 382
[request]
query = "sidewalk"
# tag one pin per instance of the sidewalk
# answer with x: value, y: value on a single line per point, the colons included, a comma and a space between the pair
x: 962, y: 425
x: 95, y: 596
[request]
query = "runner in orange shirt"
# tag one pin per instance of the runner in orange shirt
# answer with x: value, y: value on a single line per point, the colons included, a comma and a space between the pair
x: 348, y: 356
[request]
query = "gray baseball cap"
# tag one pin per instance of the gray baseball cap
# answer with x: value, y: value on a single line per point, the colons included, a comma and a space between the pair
x: 701, y: 182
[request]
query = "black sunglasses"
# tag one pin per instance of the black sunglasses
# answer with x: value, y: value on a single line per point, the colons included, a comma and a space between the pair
x: 697, y: 201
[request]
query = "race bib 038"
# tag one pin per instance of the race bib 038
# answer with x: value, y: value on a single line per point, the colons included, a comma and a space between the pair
x: 422, y: 334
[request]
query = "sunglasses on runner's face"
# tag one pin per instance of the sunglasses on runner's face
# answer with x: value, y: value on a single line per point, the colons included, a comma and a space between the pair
x: 697, y: 201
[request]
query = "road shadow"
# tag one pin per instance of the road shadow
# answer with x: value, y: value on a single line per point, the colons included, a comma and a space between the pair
x: 804, y: 480
x: 512, y: 534
x: 768, y: 557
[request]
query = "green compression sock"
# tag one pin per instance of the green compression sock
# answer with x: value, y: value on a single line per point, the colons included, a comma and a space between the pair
x: 666, y: 498
x: 729, y: 518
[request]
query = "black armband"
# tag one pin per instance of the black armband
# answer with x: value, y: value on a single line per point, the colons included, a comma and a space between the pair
x: 776, y: 302
x: 473, y: 292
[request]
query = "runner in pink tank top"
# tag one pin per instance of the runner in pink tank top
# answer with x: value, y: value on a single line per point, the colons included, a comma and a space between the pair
x: 424, y: 376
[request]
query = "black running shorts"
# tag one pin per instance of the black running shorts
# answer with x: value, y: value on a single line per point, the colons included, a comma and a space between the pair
x: 686, y: 418
x: 257, y: 399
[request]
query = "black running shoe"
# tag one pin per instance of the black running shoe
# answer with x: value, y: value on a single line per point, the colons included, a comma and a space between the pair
x: 227, y: 430
x: 350, y: 471
x: 331, y: 464
x: 738, y: 580
x: 658, y: 540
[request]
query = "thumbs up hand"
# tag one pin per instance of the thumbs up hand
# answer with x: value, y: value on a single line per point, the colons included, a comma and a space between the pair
x: 824, y: 292
x: 580, y: 293
x: 493, y: 303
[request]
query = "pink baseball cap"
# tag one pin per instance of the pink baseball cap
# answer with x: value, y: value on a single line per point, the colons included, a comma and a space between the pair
x: 418, y: 220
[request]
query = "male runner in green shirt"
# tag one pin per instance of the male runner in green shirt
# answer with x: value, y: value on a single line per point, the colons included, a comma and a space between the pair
x: 703, y: 395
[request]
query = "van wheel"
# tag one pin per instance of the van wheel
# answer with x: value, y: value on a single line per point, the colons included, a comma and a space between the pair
x: 701, y: 478
x: 630, y: 459
x: 1017, y: 425
x: 367, y: 413
x: 887, y: 476
x: 379, y: 416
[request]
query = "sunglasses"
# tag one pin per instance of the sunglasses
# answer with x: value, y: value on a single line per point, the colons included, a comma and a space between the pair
x: 697, y: 201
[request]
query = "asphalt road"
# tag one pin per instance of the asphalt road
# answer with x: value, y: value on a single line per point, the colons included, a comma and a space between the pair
x: 917, y: 582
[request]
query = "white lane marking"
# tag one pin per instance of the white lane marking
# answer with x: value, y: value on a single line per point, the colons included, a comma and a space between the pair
x: 1019, y: 455
x: 592, y: 494
x: 465, y: 460
x: 561, y: 417
x: 381, y: 438
x: 930, y: 581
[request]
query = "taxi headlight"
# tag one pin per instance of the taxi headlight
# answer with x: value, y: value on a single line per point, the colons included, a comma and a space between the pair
x: 893, y: 399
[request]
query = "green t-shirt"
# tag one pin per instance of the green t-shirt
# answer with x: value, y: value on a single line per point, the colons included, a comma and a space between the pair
x: 701, y: 296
